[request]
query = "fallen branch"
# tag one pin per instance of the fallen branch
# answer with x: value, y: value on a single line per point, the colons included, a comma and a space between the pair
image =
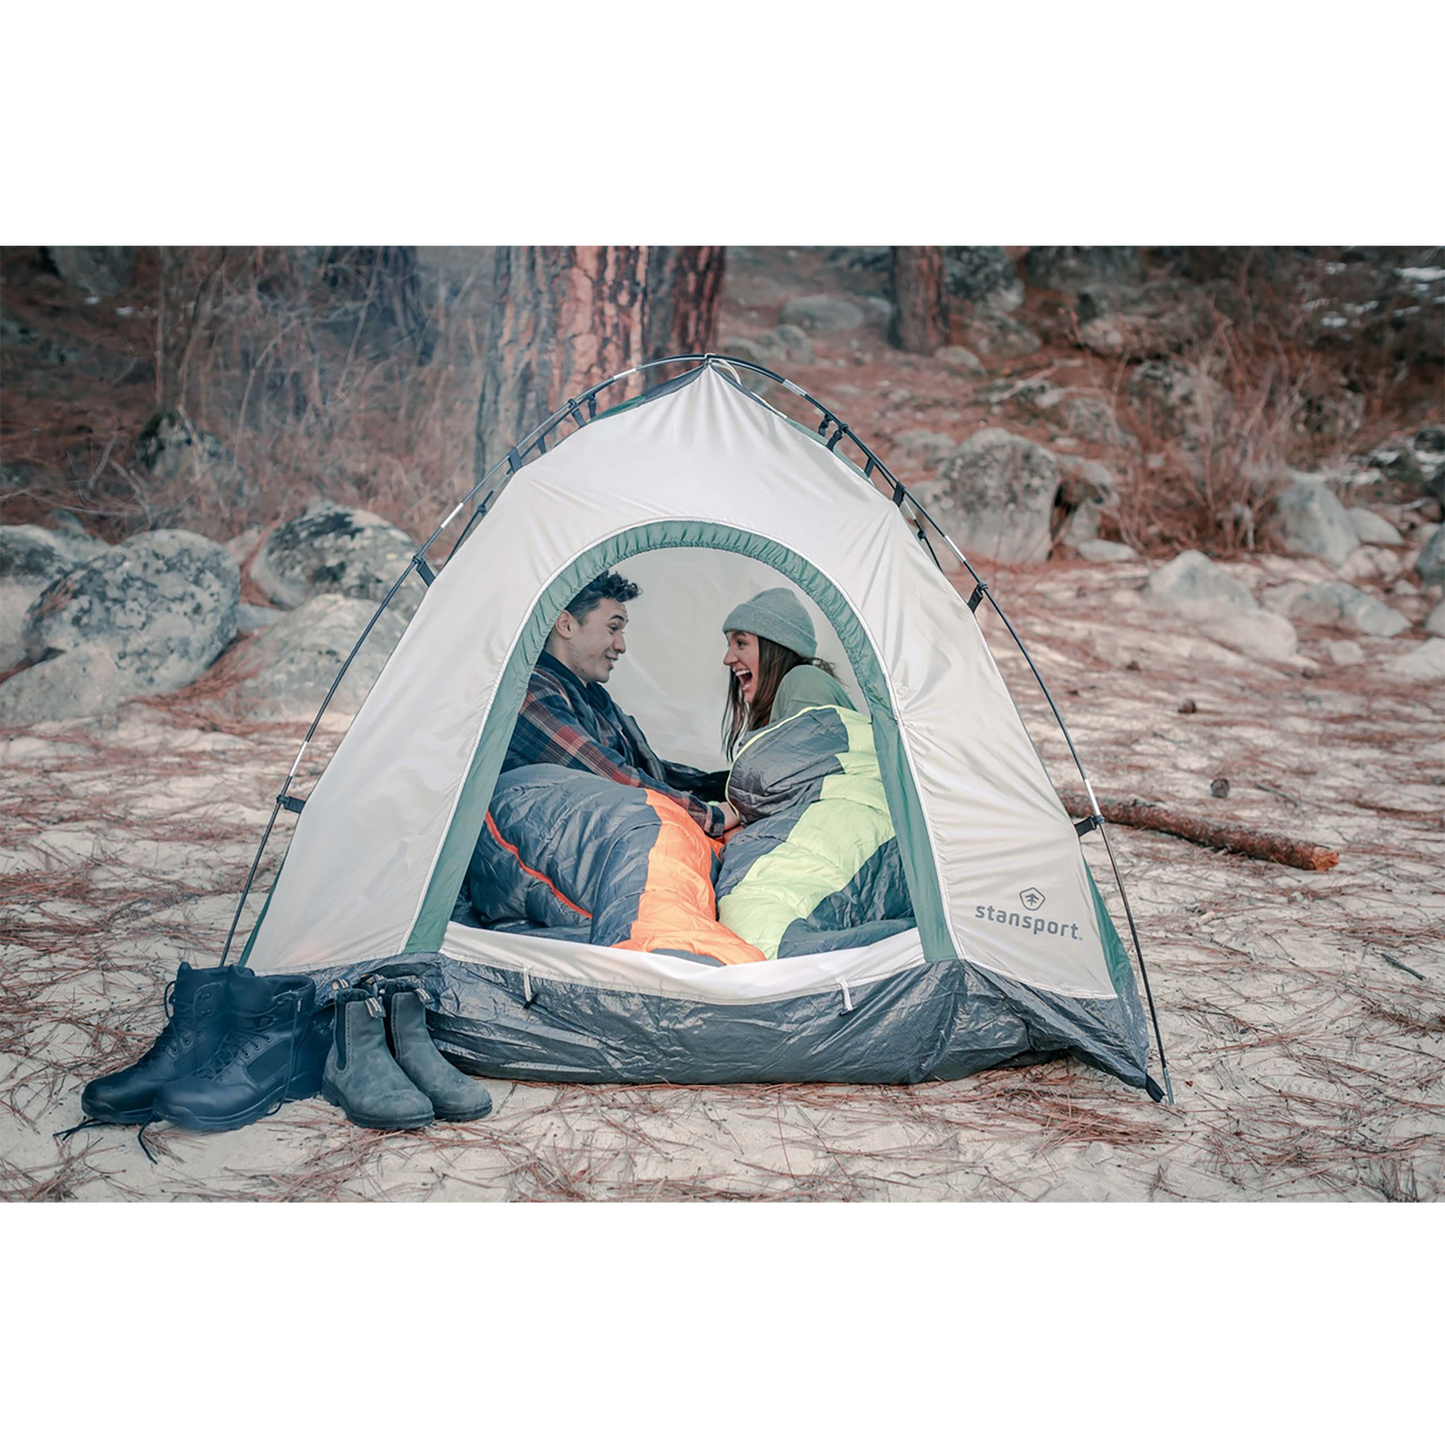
x: 1133, y: 813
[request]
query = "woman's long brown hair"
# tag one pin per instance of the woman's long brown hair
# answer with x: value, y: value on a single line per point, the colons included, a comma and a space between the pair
x: 775, y: 662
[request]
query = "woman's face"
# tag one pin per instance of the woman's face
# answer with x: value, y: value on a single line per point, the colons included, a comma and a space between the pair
x: 741, y: 659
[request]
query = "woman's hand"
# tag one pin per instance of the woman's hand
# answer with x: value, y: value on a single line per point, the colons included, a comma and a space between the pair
x: 732, y: 821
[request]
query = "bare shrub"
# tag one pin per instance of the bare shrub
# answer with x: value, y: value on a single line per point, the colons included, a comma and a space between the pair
x: 321, y: 372
x: 1207, y: 472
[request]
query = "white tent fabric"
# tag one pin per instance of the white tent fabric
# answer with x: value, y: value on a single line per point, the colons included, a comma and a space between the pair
x: 1016, y: 894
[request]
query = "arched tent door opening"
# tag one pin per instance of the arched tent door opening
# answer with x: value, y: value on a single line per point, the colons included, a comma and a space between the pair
x: 910, y: 821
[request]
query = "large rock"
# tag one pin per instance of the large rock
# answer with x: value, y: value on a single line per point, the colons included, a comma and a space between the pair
x: 926, y: 447
x: 822, y: 313
x: 998, y: 496
x: 1181, y: 401
x: 1337, y: 604
x: 1092, y: 419
x: 1142, y: 321
x: 1434, y: 624
x: 959, y: 360
x: 99, y: 270
x: 1309, y: 521
x: 1430, y: 564
x: 1425, y: 663
x: 337, y: 549
x: 162, y: 605
x: 995, y: 334
x: 1372, y: 528
x: 31, y: 558
x: 79, y: 683
x: 983, y: 276
x: 1086, y: 490
x: 286, y: 670
x: 1223, y: 609
x: 1196, y: 586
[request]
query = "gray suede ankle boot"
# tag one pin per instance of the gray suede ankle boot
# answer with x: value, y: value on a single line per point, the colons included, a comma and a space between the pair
x: 361, y: 1077
x: 453, y: 1095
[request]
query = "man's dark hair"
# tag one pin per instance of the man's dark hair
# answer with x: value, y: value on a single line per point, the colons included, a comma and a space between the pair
x: 610, y: 586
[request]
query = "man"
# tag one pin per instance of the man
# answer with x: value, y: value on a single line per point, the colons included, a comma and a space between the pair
x: 568, y: 717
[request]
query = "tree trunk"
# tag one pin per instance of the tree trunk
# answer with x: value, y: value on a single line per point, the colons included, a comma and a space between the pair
x: 921, y: 322
x: 684, y: 284
x: 566, y: 317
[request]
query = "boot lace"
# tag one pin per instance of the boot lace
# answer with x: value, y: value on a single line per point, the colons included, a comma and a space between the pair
x: 174, y: 1034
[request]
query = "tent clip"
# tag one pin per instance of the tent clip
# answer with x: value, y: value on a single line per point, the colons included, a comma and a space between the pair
x: 424, y: 570
x: 977, y: 596
x: 1087, y: 825
x: 847, y: 997
x: 526, y: 988
x: 291, y: 805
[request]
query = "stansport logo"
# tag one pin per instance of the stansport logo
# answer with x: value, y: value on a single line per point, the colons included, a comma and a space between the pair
x: 1030, y: 921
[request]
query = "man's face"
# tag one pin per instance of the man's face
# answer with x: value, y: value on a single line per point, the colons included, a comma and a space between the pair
x: 592, y: 646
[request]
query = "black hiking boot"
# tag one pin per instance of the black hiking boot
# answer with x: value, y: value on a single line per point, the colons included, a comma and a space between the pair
x: 274, y: 1050
x: 361, y: 1077
x: 453, y: 1095
x: 197, y: 1005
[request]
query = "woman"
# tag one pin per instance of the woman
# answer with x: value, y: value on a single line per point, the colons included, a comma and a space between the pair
x: 774, y: 673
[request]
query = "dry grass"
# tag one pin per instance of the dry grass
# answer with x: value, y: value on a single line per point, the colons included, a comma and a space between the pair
x: 320, y: 374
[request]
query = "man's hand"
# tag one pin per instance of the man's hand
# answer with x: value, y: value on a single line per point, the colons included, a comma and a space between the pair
x: 731, y: 819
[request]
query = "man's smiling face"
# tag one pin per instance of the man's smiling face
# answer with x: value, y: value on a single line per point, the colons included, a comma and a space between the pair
x: 591, y: 647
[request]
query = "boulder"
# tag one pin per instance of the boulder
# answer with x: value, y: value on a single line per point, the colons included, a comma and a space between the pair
x: 1092, y: 419
x: 1344, y: 653
x: 250, y: 618
x: 959, y: 360
x: 822, y: 313
x: 1182, y: 401
x: 1223, y: 610
x: 1197, y: 587
x: 1372, y: 528
x: 98, y: 270
x: 1096, y: 549
x: 1087, y: 489
x: 14, y: 331
x: 995, y: 334
x: 764, y: 350
x: 1434, y: 624
x: 997, y: 496
x: 1431, y: 440
x: 1155, y: 319
x: 331, y: 548
x: 1430, y: 564
x: 1425, y: 663
x: 285, y: 671
x: 928, y: 447
x: 31, y: 558
x: 79, y: 683
x: 1337, y: 604
x: 1281, y: 598
x: 796, y: 342
x: 1309, y: 521
x: 162, y: 605
x: 1265, y: 636
x: 983, y: 276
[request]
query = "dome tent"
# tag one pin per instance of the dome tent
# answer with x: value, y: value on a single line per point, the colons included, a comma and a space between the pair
x: 1014, y: 956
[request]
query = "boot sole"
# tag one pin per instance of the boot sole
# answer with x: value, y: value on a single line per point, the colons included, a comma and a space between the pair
x: 217, y: 1123
x: 462, y: 1118
x: 117, y: 1116
x: 372, y: 1121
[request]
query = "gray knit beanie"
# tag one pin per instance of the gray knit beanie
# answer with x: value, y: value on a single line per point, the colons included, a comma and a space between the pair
x: 777, y: 615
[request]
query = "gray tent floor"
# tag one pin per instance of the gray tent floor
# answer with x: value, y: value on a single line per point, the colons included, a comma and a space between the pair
x: 1301, y: 1011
